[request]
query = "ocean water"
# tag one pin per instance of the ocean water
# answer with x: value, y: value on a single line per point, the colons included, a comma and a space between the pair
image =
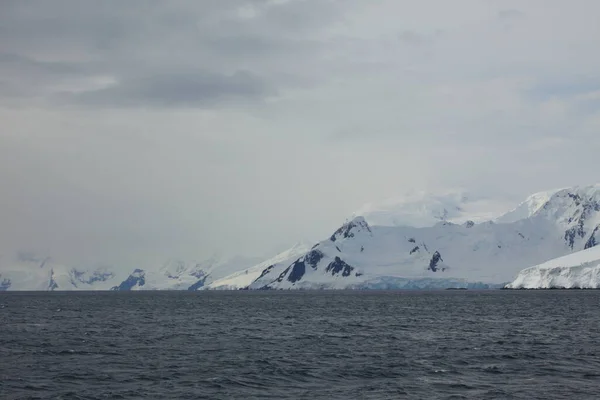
x: 300, y: 345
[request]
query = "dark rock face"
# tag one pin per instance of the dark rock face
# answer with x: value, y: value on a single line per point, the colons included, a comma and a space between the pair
x: 570, y: 237
x: 469, y: 224
x: 588, y: 207
x: 77, y: 276
x: 296, y: 271
x: 592, y: 241
x: 337, y: 266
x: 282, y: 276
x: 198, y: 284
x: 415, y: 249
x: 266, y: 271
x: 52, y: 285
x: 576, y: 198
x: 437, y: 257
x: 313, y: 258
x: 412, y: 240
x: 573, y: 232
x: 137, y: 278
x: 346, y: 230
x: 5, y: 284
x: 198, y: 273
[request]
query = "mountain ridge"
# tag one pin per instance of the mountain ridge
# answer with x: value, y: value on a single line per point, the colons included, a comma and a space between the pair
x: 490, y: 253
x: 443, y: 251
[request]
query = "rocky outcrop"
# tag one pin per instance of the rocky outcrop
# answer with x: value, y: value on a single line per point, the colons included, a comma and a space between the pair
x: 349, y: 229
x: 136, y: 279
x: 296, y: 271
x: 435, y: 260
x: 338, y: 266
x: 4, y: 284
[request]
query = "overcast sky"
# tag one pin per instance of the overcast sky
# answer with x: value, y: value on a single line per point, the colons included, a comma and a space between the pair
x: 139, y: 129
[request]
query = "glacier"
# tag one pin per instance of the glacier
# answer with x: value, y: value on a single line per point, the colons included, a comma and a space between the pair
x: 580, y: 270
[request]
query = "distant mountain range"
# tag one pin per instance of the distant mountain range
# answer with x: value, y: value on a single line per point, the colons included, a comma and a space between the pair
x: 422, y: 242
x: 27, y: 272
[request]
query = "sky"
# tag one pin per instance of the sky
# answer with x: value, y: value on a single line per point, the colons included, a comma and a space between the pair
x: 138, y: 130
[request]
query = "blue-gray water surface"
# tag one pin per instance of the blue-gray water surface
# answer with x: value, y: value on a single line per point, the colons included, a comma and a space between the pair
x: 300, y: 345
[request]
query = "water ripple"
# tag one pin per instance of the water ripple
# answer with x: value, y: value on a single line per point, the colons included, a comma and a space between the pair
x: 301, y: 345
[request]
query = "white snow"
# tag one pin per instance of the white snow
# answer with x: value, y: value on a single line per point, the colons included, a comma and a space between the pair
x: 527, y: 208
x: 40, y: 273
x: 43, y: 273
x: 576, y: 270
x: 421, y: 209
x: 417, y: 242
x: 244, y: 278
x: 180, y: 275
x: 556, y: 224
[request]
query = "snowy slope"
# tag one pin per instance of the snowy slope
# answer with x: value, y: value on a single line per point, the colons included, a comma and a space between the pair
x: 172, y: 275
x: 30, y: 272
x: 421, y: 209
x: 527, y: 208
x: 576, y: 270
x: 435, y: 252
x: 245, y: 277
x: 359, y: 255
x: 182, y: 275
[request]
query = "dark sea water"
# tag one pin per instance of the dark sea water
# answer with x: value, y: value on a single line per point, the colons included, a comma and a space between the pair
x: 300, y: 345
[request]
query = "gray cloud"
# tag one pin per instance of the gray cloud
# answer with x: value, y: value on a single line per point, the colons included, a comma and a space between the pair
x: 225, y: 45
x: 25, y: 65
x: 510, y: 14
x: 141, y: 130
x: 564, y: 88
x: 192, y: 89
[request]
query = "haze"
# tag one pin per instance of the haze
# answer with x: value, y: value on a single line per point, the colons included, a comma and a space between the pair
x: 143, y: 130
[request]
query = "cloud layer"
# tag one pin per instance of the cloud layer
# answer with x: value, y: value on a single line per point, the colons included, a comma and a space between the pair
x: 140, y: 130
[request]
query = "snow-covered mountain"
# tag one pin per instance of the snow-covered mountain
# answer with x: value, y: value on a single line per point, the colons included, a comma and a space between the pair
x: 447, y: 241
x: 242, y: 279
x: 529, y: 207
x: 361, y: 255
x: 30, y: 272
x: 577, y: 270
x: 181, y: 275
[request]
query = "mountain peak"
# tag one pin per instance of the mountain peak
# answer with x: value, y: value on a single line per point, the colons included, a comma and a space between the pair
x: 453, y: 240
x: 553, y: 202
x: 351, y: 228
